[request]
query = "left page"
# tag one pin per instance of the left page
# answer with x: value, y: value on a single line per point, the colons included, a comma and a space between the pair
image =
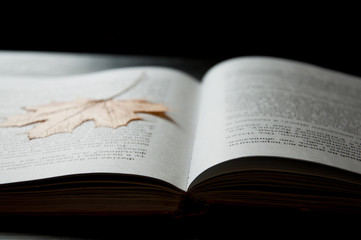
x: 153, y: 147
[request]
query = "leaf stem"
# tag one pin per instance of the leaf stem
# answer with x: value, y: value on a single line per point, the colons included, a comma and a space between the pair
x: 142, y: 75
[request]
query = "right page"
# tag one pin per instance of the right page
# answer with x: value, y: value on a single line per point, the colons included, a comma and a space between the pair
x: 261, y: 106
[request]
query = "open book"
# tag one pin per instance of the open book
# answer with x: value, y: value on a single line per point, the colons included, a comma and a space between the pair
x: 256, y: 131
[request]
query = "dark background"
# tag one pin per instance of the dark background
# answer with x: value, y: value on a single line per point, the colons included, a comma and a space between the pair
x: 319, y: 36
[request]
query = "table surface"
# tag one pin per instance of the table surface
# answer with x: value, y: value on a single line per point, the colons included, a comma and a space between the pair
x: 218, y: 222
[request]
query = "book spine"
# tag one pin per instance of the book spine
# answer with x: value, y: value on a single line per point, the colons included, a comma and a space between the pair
x: 190, y: 206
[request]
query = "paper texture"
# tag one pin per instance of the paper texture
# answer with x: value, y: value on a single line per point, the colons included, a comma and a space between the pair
x: 270, y: 107
x: 154, y: 147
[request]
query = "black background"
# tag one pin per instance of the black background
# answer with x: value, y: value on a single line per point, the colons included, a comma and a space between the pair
x: 319, y: 36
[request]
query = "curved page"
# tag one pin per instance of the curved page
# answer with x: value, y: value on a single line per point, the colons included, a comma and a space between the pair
x: 259, y: 106
x: 157, y: 147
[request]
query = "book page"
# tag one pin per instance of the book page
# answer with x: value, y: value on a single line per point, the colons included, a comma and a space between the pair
x: 258, y: 106
x: 154, y: 147
x: 28, y: 63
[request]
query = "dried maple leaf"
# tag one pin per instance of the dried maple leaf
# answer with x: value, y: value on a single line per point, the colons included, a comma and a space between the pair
x: 59, y: 117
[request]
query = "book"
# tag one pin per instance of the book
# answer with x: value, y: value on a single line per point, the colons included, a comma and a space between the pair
x: 255, y: 131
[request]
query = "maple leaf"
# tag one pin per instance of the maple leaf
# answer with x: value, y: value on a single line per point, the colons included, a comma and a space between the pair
x: 60, y: 117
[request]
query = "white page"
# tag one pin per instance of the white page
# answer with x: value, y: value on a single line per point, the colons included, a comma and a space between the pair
x: 28, y: 63
x: 270, y: 107
x: 153, y: 147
